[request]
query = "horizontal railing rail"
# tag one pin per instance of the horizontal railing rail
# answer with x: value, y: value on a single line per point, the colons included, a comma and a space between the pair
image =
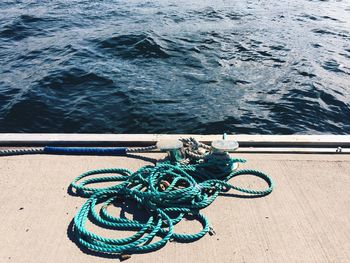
x: 266, y: 141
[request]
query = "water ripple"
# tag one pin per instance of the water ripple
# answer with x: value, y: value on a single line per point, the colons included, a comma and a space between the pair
x: 268, y: 67
x: 134, y: 46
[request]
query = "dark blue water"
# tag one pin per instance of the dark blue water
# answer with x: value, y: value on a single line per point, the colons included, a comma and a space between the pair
x: 175, y: 66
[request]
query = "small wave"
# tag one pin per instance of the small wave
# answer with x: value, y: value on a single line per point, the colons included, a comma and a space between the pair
x: 306, y: 74
x: 332, y: 65
x: 28, y: 19
x: 28, y: 114
x: 346, y: 53
x: 134, y: 46
x: 257, y: 51
x: 206, y: 14
x: 25, y: 26
x: 329, y: 18
x: 342, y: 34
x: 317, y: 18
x: 323, y: 32
x: 235, y: 15
x: 316, y: 45
x: 241, y: 48
x: 241, y: 81
x: 165, y: 101
x: 310, y: 17
x: 279, y: 48
x: 74, y: 78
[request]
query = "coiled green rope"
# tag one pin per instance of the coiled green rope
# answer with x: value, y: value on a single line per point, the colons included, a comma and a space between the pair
x: 163, y: 191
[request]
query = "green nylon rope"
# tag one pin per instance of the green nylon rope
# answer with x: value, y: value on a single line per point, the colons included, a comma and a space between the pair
x: 190, y: 188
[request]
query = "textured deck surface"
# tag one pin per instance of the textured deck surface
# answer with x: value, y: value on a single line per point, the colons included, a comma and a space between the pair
x: 305, y: 219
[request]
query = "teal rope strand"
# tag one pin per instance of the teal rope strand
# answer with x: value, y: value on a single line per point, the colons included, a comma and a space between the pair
x: 189, y: 189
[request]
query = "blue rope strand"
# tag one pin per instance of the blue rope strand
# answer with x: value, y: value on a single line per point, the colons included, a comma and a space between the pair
x: 117, y: 151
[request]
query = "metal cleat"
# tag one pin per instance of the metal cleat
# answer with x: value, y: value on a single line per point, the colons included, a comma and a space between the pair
x: 224, y: 146
x: 220, y: 151
x: 173, y: 148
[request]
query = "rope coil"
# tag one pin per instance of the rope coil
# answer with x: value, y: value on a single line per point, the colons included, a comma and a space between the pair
x: 189, y: 189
